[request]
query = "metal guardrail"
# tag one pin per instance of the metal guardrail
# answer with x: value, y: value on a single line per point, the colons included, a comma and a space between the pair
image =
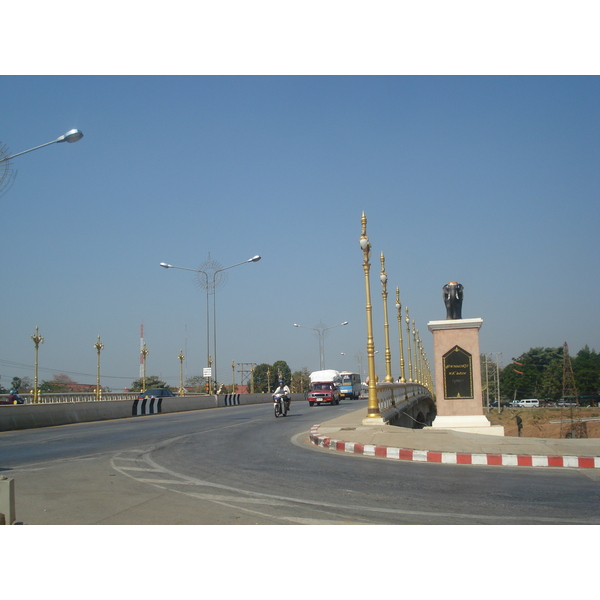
x: 58, y: 398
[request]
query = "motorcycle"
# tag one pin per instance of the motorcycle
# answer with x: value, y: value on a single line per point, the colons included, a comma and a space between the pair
x: 279, y: 405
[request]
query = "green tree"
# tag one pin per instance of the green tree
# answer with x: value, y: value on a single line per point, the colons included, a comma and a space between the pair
x: 532, y: 374
x: 300, y: 380
x: 264, y: 378
x: 196, y: 384
x: 586, y: 369
x: 282, y: 371
x: 151, y: 382
x: 60, y: 383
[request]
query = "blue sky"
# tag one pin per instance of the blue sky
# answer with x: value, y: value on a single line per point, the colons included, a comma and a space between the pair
x: 490, y: 181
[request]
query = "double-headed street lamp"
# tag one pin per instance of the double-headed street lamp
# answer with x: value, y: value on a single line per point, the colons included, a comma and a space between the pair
x: 211, y: 285
x: 320, y: 331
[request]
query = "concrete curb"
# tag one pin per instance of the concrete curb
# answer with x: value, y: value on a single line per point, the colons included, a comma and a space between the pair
x: 453, y: 458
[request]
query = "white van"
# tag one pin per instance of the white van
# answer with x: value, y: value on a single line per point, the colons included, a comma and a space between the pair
x: 530, y: 403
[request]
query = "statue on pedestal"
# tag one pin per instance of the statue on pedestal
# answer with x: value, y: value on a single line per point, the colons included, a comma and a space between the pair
x: 453, y: 297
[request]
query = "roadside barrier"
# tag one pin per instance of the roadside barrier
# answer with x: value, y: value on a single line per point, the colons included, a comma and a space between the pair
x: 30, y: 416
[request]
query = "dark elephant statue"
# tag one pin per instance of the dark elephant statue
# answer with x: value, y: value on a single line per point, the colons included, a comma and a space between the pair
x: 453, y: 297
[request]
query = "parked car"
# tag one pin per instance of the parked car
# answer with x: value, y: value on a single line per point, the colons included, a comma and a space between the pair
x: 565, y: 403
x: 157, y: 393
x: 528, y: 403
x: 494, y: 404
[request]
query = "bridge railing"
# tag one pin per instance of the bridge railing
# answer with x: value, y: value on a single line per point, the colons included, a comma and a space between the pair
x: 391, y: 394
x: 405, y: 404
x: 57, y: 398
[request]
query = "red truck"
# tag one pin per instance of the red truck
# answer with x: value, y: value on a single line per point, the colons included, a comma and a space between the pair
x: 324, y: 387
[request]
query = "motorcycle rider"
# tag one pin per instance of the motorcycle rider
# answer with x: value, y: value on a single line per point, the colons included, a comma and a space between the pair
x: 284, y: 390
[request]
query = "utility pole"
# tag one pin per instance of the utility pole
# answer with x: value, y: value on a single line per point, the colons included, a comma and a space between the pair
x: 569, y: 394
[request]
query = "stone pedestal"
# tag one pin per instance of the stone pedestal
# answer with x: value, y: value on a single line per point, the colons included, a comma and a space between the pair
x: 458, y: 377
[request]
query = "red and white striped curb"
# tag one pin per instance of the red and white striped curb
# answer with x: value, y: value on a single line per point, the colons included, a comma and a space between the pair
x: 453, y: 458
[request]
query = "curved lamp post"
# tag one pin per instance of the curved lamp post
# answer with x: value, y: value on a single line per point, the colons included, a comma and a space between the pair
x: 168, y: 266
x: 212, y: 284
x: 74, y: 135
x: 320, y: 331
x: 254, y: 259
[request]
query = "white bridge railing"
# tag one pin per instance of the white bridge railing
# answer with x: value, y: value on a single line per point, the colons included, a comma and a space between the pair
x: 390, y: 395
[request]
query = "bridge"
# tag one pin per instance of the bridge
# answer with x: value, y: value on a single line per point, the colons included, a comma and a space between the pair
x: 403, y: 404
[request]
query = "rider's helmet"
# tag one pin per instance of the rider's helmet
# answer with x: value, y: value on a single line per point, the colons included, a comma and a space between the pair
x: 281, y: 382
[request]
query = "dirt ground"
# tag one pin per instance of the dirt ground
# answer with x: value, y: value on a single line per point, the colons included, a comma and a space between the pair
x: 546, y: 422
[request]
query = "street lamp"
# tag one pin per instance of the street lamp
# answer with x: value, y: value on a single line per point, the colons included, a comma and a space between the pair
x: 373, y: 412
x: 254, y: 259
x: 74, y: 135
x: 399, y: 309
x: 98, y: 345
x: 211, y: 285
x: 386, y: 326
x: 181, y: 388
x: 168, y: 266
x: 7, y: 175
x: 320, y: 331
x: 37, y: 340
x: 144, y: 355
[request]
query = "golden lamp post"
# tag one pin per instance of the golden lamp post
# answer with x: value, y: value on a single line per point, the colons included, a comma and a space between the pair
x: 233, y: 377
x: 399, y: 309
x: 386, y: 326
x: 410, y: 373
x: 373, y: 413
x: 37, y: 340
x: 180, y: 356
x: 144, y: 354
x: 416, y: 363
x: 98, y: 345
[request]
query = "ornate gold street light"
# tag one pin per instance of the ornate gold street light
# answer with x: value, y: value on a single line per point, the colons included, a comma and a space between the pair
x: 372, y: 405
x: 415, y: 339
x: 386, y: 326
x: 98, y: 345
x: 37, y: 340
x: 399, y: 309
x: 144, y: 354
x: 181, y: 356
x: 410, y: 371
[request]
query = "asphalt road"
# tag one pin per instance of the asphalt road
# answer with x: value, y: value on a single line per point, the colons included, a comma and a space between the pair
x: 240, y: 465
